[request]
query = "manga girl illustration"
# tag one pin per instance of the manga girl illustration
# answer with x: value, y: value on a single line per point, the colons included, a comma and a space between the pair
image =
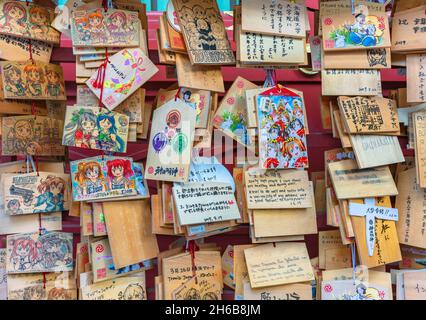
x: 14, y: 207
x: 34, y: 293
x: 118, y: 26
x: 134, y: 292
x: 13, y: 79
x: 108, y: 138
x: 58, y: 294
x: 296, y: 152
x: 21, y: 136
x: 90, y: 178
x: 82, y: 130
x: 39, y: 19
x: 52, y: 194
x: 54, y: 87
x: 15, y: 17
x: 119, y: 172
x: 34, y: 78
x: 24, y: 254
x: 97, y: 27
x: 55, y: 251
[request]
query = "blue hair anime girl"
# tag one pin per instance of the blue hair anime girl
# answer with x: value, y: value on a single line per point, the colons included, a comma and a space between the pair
x: 108, y: 139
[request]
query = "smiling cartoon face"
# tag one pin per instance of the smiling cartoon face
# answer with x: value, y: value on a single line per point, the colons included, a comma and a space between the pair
x: 105, y: 124
x: 117, y: 171
x: 92, y: 173
x: 23, y: 130
x: 87, y: 125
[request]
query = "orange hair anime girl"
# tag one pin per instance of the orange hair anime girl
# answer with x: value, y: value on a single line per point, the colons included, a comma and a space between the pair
x: 90, y: 178
x: 295, y: 149
x: 40, y: 19
x: 34, y: 78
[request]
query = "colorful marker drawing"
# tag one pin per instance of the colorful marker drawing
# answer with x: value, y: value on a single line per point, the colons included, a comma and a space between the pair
x: 28, y: 21
x: 32, y: 252
x: 32, y: 193
x: 282, y: 138
x: 102, y: 177
x: 32, y: 135
x: 37, y: 80
x: 92, y: 128
x: 97, y: 28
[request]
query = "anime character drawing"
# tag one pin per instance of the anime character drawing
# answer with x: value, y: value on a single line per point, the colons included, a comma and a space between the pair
x: 282, y: 137
x: 58, y: 294
x: 108, y: 138
x: 56, y: 252
x: 97, y: 27
x: 20, y: 136
x: 52, y: 194
x: 367, y: 31
x: 204, y: 28
x: 24, y: 255
x: 139, y: 180
x: 119, y: 172
x: 82, y: 129
x: 13, y: 80
x: 39, y: 19
x: 36, y: 292
x: 134, y: 292
x: 90, y: 178
x: 54, y: 87
x: 15, y: 17
x: 14, y: 207
x: 119, y: 27
x: 377, y: 57
x: 34, y: 79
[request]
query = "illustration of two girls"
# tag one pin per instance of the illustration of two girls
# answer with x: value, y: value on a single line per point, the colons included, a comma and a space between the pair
x: 48, y: 252
x: 90, y: 131
x: 95, y: 28
x: 91, y: 179
x: 16, y: 20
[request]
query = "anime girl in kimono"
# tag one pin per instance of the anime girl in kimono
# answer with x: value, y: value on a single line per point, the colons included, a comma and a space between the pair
x: 90, y: 178
x: 119, y: 172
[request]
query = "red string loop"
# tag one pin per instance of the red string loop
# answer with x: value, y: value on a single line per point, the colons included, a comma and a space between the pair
x: 100, y: 78
x: 178, y: 93
x: 192, y: 247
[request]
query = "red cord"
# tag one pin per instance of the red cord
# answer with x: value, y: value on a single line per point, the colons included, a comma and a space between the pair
x: 177, y: 93
x: 100, y: 79
x: 192, y: 246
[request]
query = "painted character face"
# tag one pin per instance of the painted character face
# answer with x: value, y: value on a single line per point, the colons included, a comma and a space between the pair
x: 34, y: 76
x: 56, y: 189
x: 88, y: 125
x: 39, y: 18
x: 296, y: 151
x: 94, y: 21
x: 14, y: 207
x: 117, y: 171
x: 16, y: 13
x: 92, y: 173
x: 14, y: 76
x: 23, y: 131
x: 105, y: 124
x: 23, y: 251
x: 52, y: 77
x: 117, y: 21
